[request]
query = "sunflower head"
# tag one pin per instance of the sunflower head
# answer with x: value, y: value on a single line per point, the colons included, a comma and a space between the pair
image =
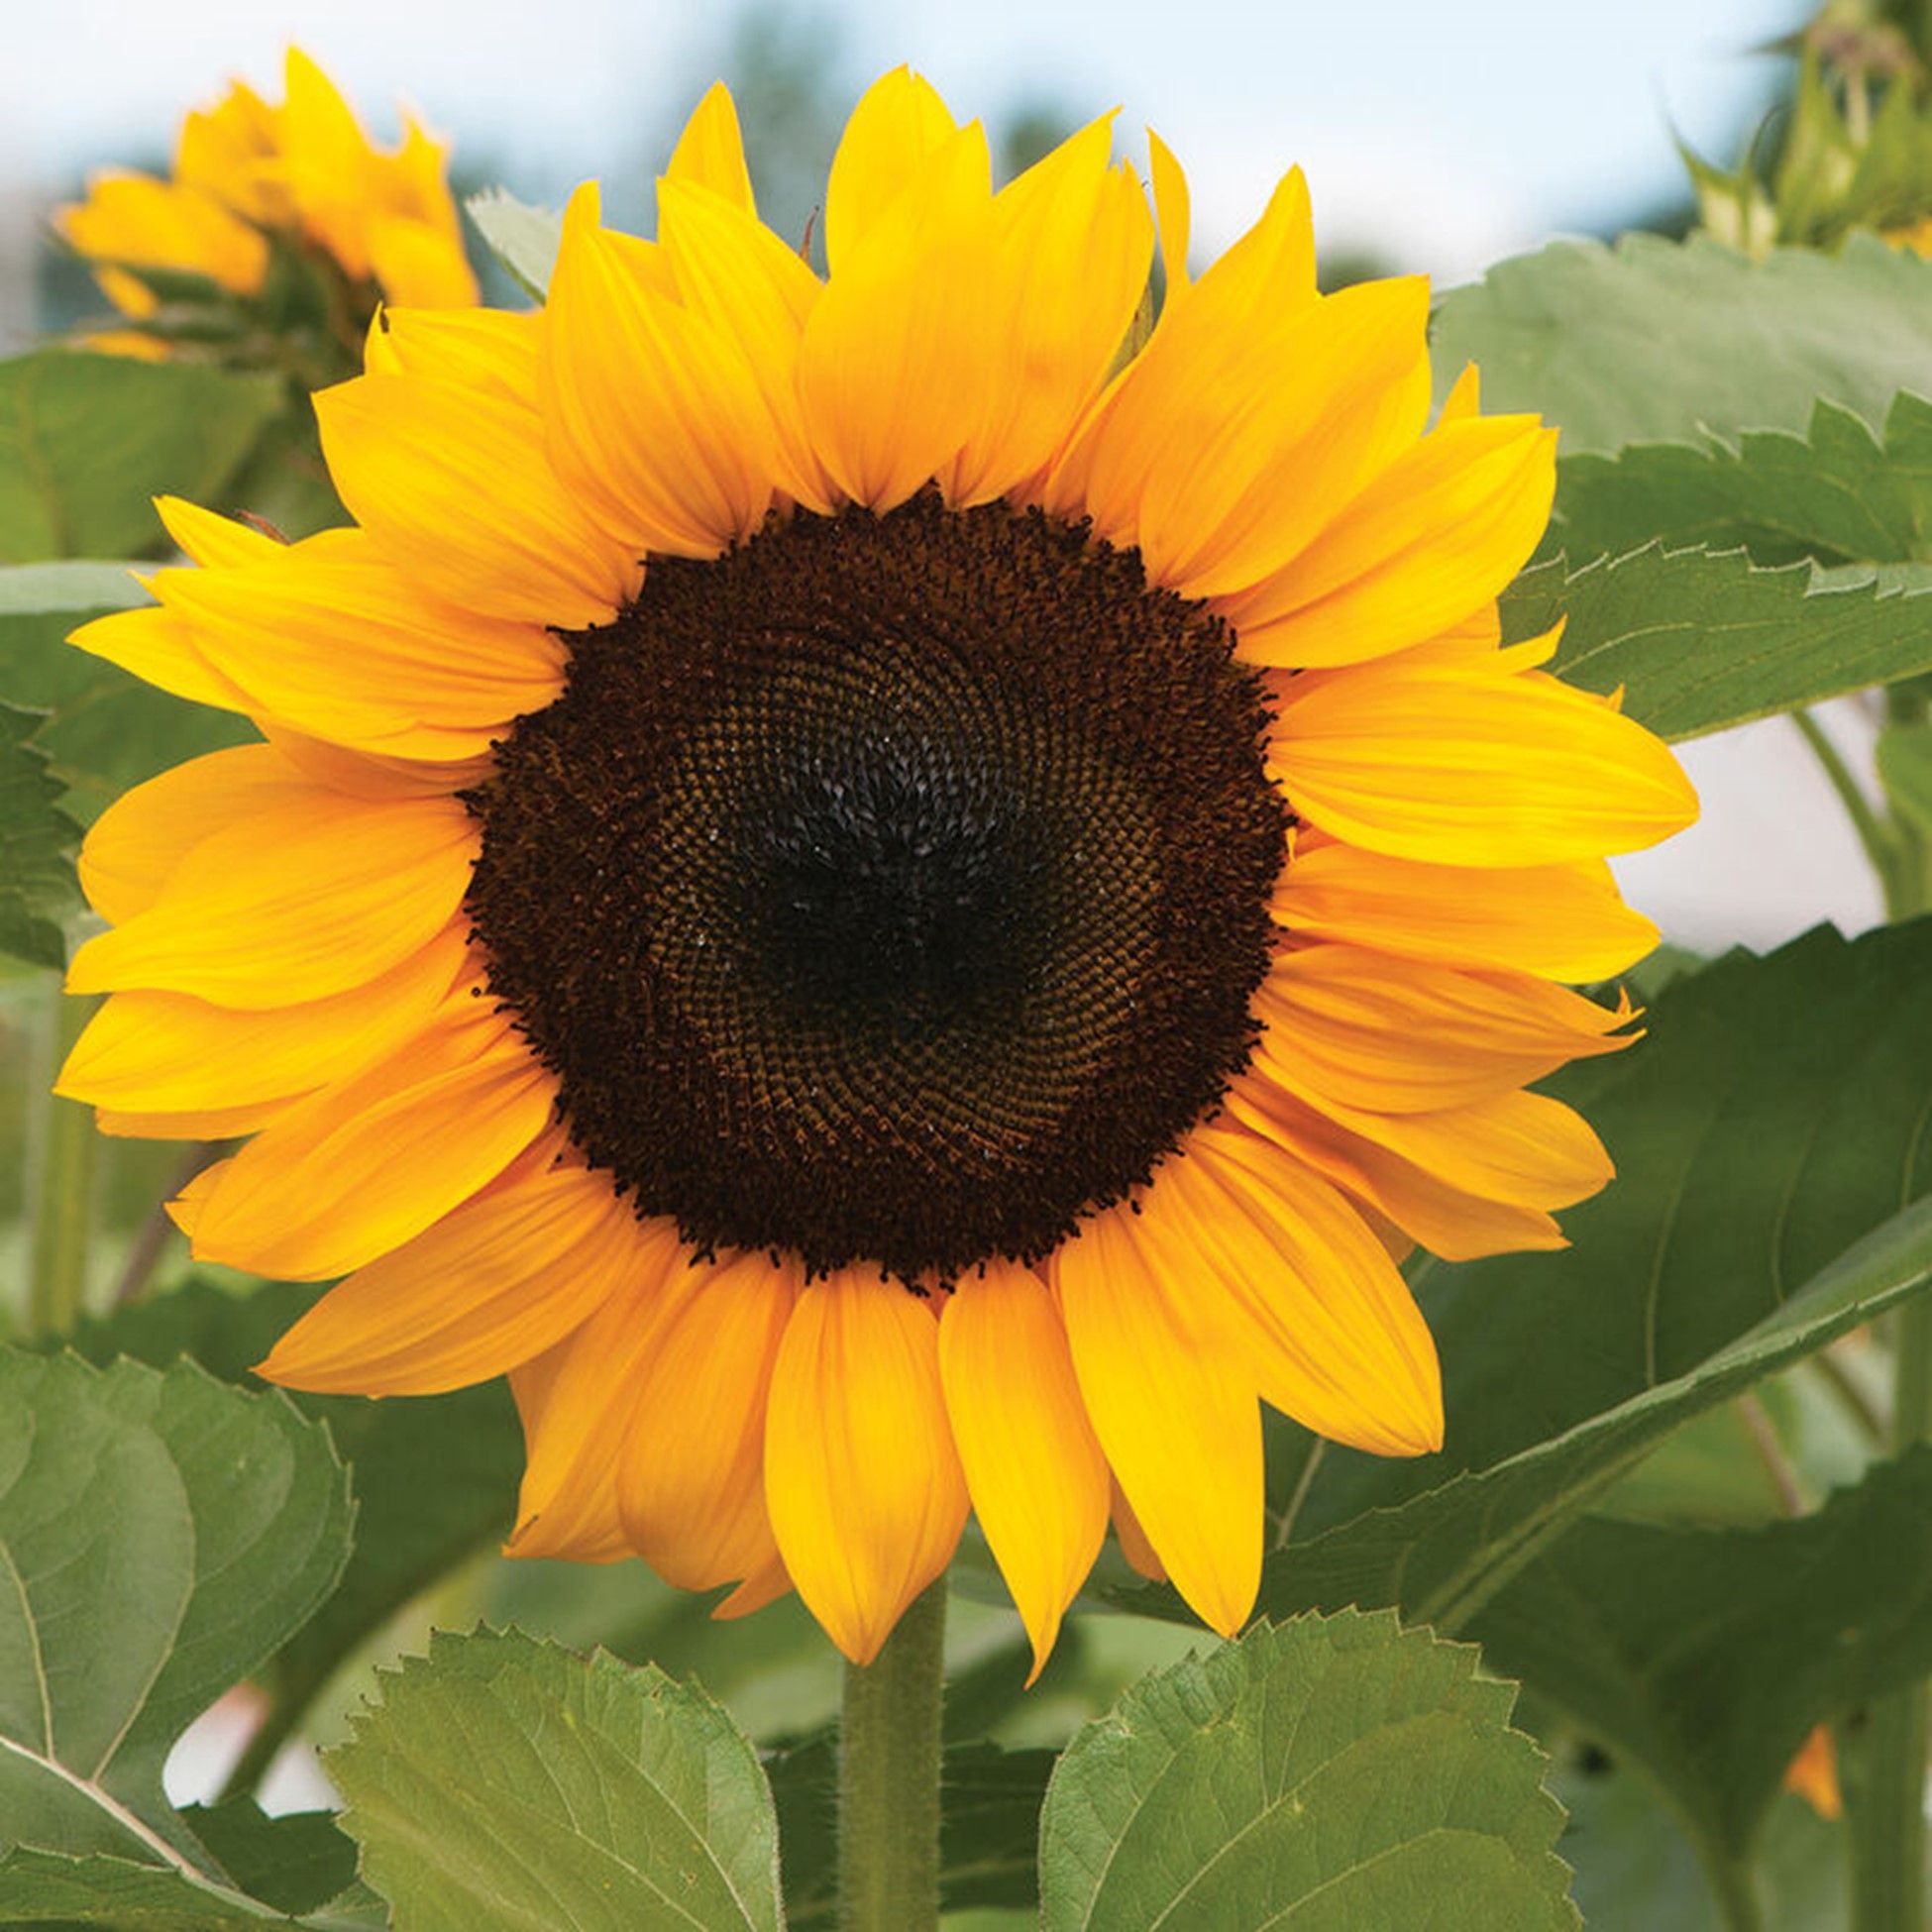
x: 892, y: 899
x: 284, y: 217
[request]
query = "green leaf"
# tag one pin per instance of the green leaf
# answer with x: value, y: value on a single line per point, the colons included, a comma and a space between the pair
x: 503, y: 1781
x: 50, y: 1892
x: 989, y: 1827
x: 1334, y: 1774
x: 46, y: 1890
x: 1663, y: 342
x: 88, y: 441
x: 1709, y: 1655
x: 1700, y: 642
x: 1837, y: 493
x: 435, y: 1476
x: 1764, y: 1134
x: 107, y: 730
x: 294, y: 1863
x: 161, y: 1536
x: 523, y: 238
x: 37, y: 842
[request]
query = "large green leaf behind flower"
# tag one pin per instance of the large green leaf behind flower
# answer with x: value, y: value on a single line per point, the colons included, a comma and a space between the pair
x: 160, y: 1534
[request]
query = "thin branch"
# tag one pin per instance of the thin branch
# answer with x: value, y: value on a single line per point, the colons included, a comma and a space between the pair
x: 1300, y: 1496
x: 152, y: 1242
x: 1771, y: 1453
x: 1872, y: 834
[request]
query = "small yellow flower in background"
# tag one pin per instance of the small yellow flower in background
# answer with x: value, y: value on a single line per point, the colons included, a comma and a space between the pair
x: 248, y: 177
x: 1915, y: 235
x: 1813, y: 1775
x: 888, y: 921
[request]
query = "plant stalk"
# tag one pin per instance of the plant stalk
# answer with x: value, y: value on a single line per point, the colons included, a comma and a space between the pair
x: 1738, y: 1903
x: 63, y: 1192
x: 1888, y: 1867
x: 1874, y: 835
x: 889, y: 1762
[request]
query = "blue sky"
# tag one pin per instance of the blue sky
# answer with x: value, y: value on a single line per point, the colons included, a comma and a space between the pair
x: 1450, y: 134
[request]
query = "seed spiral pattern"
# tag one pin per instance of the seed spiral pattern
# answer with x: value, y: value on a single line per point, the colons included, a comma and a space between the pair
x: 889, y: 890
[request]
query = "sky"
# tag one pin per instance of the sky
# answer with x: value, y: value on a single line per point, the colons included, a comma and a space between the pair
x: 1448, y: 135
x: 1442, y: 136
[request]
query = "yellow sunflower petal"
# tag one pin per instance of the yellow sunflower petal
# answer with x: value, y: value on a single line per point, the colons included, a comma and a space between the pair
x: 1408, y: 1036
x: 453, y: 483
x: 221, y: 150
x: 160, y: 648
x: 1469, y: 1181
x: 1174, y: 206
x: 184, y: 1207
x: 1037, y: 1479
x: 1465, y: 398
x: 1071, y: 244
x: 208, y: 1123
x: 731, y: 270
x: 861, y: 1476
x: 770, y: 1581
x: 894, y: 369
x: 653, y: 418
x: 580, y: 1521
x: 417, y: 263
x: 145, y: 223
x: 1455, y: 764
x: 368, y: 775
x: 1276, y: 431
x: 212, y: 539
x: 494, y: 1283
x: 1560, y: 922
x: 481, y: 348
x: 345, y: 647
x: 1334, y: 1336
x: 326, y: 163
x: 1142, y: 1557
x: 135, y: 846
x: 1436, y: 535
x: 164, y: 1052
x: 1218, y: 343
x: 1174, y: 1410
x: 897, y: 125
x: 293, y: 904
x: 710, y: 151
x: 691, y: 1470
x: 577, y: 1401
x: 366, y: 1164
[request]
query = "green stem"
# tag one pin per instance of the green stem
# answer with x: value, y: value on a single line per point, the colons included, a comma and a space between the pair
x: 1873, y: 832
x: 889, y: 1778
x: 1889, y: 1867
x: 64, y: 1193
x: 1738, y: 1903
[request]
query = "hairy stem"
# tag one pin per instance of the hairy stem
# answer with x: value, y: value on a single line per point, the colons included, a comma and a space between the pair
x: 889, y: 1778
x: 1889, y: 1864
x: 63, y: 1188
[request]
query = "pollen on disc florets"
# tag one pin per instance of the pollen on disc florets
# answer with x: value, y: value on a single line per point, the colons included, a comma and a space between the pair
x: 889, y: 890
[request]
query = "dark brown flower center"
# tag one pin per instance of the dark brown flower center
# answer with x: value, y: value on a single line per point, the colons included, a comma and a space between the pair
x: 891, y: 890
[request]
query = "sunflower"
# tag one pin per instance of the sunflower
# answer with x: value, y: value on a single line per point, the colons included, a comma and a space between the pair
x: 892, y: 898
x: 250, y: 178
